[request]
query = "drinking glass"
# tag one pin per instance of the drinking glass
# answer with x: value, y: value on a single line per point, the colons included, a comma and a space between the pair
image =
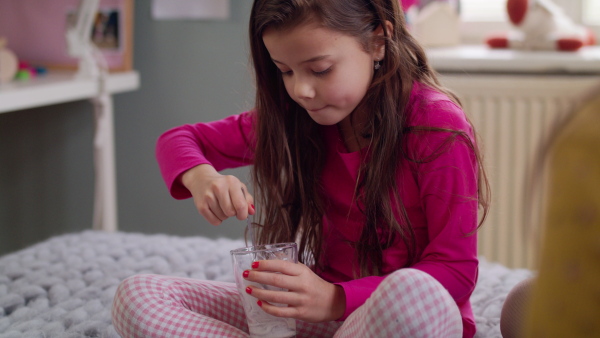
x: 260, y: 323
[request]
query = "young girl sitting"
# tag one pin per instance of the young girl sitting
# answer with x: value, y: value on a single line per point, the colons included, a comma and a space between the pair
x: 358, y: 155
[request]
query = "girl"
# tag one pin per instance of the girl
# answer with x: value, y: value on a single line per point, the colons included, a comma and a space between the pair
x: 360, y: 156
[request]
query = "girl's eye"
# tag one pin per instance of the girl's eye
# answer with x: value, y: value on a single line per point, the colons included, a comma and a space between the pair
x: 286, y: 73
x: 323, y: 73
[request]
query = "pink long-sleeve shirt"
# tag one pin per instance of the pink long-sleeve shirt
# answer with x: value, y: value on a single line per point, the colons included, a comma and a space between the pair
x: 440, y: 195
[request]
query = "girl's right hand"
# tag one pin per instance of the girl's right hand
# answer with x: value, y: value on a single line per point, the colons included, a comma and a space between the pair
x: 217, y: 197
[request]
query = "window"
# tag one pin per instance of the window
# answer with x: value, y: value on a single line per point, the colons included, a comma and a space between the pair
x: 477, y: 10
x: 591, y: 12
x: 484, y: 17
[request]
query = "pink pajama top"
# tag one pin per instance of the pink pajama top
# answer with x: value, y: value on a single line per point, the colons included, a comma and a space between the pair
x: 439, y: 195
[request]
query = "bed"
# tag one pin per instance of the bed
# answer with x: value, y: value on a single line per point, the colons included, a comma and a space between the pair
x: 64, y: 286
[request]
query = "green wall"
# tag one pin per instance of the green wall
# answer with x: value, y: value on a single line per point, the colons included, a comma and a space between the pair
x: 191, y: 71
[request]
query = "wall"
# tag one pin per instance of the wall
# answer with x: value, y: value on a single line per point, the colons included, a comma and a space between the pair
x: 190, y: 71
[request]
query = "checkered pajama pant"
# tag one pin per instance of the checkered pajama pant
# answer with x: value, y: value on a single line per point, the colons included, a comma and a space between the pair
x: 408, y: 303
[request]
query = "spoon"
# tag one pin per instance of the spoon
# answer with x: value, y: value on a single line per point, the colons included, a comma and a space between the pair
x: 250, y: 230
x: 249, y: 226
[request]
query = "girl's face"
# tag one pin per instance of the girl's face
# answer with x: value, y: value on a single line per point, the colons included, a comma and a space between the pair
x: 324, y: 71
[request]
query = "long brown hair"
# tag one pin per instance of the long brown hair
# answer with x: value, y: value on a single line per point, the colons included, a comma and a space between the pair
x: 289, y: 145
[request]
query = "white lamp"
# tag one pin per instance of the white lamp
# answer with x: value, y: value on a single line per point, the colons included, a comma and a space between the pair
x: 79, y: 42
x: 92, y: 65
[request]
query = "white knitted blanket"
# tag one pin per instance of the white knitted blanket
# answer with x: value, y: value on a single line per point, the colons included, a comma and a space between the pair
x: 64, y: 286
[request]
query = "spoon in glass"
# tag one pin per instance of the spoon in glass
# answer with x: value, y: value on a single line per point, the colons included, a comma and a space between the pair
x: 249, y: 227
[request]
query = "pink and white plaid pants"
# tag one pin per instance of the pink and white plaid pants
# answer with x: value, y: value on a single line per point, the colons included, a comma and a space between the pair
x: 408, y: 303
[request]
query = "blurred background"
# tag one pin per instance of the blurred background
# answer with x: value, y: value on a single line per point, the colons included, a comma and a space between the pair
x: 190, y: 71
x: 195, y: 70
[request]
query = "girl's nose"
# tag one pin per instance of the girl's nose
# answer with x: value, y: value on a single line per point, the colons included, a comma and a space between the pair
x: 304, y: 89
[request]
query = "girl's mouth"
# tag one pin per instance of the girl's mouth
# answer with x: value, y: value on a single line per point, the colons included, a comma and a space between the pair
x: 315, y: 110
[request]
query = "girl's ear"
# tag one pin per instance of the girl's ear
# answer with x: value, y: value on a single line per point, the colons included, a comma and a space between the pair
x: 379, y: 40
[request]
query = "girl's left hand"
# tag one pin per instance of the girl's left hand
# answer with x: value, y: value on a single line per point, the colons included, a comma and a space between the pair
x: 309, y: 298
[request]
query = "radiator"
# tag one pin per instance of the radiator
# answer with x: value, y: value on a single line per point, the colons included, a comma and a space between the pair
x: 514, y: 116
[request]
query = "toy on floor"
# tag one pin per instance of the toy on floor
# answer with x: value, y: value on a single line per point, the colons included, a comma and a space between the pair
x: 541, y: 25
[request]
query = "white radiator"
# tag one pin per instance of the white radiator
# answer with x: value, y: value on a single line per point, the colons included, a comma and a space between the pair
x: 514, y: 115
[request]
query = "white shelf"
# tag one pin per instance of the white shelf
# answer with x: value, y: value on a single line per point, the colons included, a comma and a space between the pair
x: 480, y: 58
x: 63, y: 86
x: 59, y: 87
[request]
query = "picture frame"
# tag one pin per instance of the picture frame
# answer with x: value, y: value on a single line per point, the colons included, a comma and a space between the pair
x: 36, y: 32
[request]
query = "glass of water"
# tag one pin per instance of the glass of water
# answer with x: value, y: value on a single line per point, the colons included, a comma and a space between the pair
x: 260, y: 323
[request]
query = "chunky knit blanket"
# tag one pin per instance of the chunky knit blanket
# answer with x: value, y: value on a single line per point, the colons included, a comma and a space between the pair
x: 64, y: 286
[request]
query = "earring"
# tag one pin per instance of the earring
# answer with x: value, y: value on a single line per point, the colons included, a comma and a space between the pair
x: 377, y: 65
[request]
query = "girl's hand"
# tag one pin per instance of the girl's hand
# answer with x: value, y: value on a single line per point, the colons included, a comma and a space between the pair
x: 217, y: 197
x: 309, y: 298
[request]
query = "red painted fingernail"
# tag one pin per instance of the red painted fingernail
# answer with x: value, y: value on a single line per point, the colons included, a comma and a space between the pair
x: 249, y: 290
x: 252, y: 205
x: 259, y: 303
x: 246, y: 274
x: 254, y: 265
